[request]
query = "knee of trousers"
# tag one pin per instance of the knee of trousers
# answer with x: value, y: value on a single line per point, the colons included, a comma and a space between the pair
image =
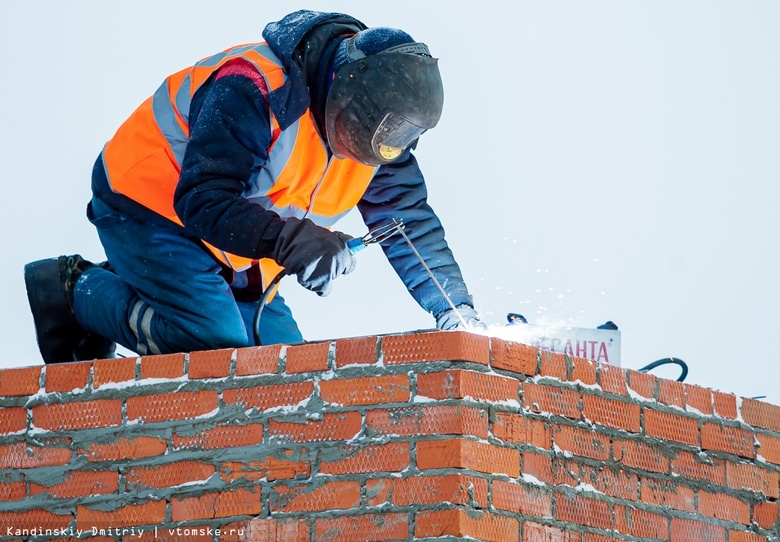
x: 156, y: 335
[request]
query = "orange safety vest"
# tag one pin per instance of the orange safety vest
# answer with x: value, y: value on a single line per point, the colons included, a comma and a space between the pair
x: 143, y: 159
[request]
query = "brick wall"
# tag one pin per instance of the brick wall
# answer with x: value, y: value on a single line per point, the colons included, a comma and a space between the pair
x: 446, y: 436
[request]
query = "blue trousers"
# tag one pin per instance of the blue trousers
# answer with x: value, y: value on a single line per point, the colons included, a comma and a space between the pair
x: 167, y: 294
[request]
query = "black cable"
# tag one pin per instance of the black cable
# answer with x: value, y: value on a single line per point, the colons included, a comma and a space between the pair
x: 668, y: 361
x: 261, y: 305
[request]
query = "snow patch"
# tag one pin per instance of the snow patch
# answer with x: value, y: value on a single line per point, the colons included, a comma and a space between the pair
x: 533, y: 480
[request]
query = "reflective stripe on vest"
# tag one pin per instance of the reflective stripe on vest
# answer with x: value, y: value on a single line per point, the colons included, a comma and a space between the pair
x: 143, y: 159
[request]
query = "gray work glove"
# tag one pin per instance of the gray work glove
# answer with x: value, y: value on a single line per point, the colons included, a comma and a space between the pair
x: 313, y: 253
x: 449, y: 319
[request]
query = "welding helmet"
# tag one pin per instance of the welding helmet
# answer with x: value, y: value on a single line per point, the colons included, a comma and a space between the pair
x: 378, y: 105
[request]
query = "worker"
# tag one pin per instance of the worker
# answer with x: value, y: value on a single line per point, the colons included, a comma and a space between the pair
x: 234, y: 171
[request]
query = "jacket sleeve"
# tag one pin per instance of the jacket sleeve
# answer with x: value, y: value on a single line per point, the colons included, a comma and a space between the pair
x: 398, y: 191
x: 230, y: 134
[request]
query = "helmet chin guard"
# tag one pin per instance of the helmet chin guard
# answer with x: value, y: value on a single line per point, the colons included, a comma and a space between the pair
x: 379, y: 105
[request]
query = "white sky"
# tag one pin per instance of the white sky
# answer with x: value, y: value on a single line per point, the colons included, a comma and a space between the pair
x: 598, y: 160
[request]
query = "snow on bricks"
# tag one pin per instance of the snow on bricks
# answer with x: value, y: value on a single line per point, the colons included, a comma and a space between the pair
x: 420, y: 436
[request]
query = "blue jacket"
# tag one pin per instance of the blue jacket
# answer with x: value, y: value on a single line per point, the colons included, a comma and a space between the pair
x: 229, y: 139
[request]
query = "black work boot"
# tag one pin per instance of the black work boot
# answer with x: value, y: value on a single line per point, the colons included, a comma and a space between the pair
x: 50, y: 286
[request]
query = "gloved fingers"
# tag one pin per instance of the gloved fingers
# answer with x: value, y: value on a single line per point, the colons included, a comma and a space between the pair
x: 463, y: 317
x: 349, y: 264
x: 477, y: 325
x: 313, y: 253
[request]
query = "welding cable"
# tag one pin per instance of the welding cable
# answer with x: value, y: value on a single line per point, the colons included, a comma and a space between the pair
x: 668, y: 361
x: 261, y: 305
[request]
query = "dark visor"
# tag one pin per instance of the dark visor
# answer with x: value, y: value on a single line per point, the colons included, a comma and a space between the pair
x: 394, y: 134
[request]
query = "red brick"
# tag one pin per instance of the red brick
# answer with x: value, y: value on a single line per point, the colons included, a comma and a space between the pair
x: 641, y: 523
x: 554, y: 364
x: 65, y: 377
x: 583, y: 370
x: 265, y: 398
x: 428, y: 490
x: 467, y: 454
x: 20, y: 381
x: 229, y: 436
x: 518, y: 429
x: 436, y: 346
x: 611, y: 413
x: 581, y: 442
x: 223, y: 504
x: 671, y: 426
x: 113, y: 371
x: 182, y: 405
x: 613, y: 379
x: 725, y: 507
x: 12, y: 491
x: 640, y: 455
x: 313, y: 497
x: 307, y: 358
x: 124, y: 448
x: 583, y: 511
x: 369, y: 390
x: 78, y: 415
x: 561, y: 401
x: 461, y: 523
x: 643, y: 383
x: 458, y: 384
x: 333, y: 426
x: 766, y: 515
x: 266, y: 530
x: 269, y: 468
x: 595, y: 537
x: 534, y: 532
x: 550, y: 470
x: 429, y: 420
x: 699, y: 467
x: 357, y: 351
x: 725, y: 404
x: 760, y: 414
x: 210, y: 363
x: 515, y: 357
x: 612, y: 481
x: 148, y: 513
x: 528, y: 500
x: 382, y: 527
x: 732, y: 440
x: 696, y: 531
x: 364, y: 459
x: 698, y: 399
x: 18, y: 522
x: 168, y: 475
x: 753, y: 478
x: 80, y: 484
x: 258, y: 360
x: 769, y: 448
x: 667, y: 494
x: 671, y: 392
x: 744, y: 536
x: 13, y: 420
x: 168, y: 366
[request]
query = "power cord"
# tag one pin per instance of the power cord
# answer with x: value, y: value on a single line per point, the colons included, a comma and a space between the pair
x: 668, y: 361
x: 262, y: 303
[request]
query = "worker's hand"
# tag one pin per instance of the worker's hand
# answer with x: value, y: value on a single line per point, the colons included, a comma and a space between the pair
x: 451, y: 320
x: 315, y: 254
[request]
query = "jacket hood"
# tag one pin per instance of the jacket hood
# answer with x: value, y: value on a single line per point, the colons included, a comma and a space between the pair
x: 288, y: 39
